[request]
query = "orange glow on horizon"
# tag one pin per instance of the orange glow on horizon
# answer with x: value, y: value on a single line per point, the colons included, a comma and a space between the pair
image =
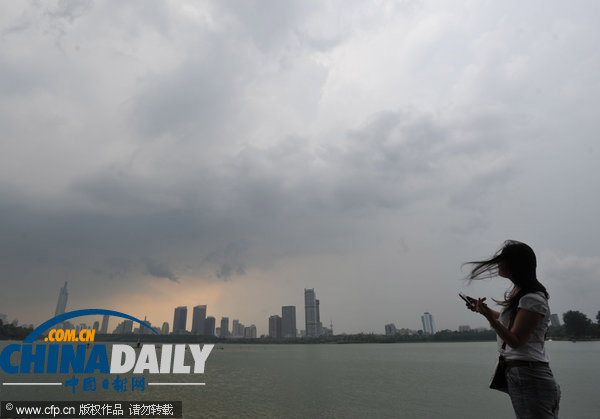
x: 157, y: 303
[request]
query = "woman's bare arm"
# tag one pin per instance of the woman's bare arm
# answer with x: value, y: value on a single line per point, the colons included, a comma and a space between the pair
x: 523, y: 326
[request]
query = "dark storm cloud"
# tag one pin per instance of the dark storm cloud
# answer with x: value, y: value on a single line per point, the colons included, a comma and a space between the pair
x: 226, y: 271
x: 230, y: 259
x: 159, y: 270
x: 116, y: 268
x: 267, y: 188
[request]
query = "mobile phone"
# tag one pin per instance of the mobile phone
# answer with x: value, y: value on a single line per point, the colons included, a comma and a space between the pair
x: 464, y: 297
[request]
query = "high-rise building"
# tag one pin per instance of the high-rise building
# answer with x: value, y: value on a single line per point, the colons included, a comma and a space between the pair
x: 209, y: 326
x: 250, y: 332
x: 61, y: 305
x: 165, y: 329
x: 125, y: 327
x: 198, y: 320
x: 3, y: 318
x: 237, y: 329
x: 275, y: 326
x: 180, y: 320
x: 96, y: 325
x: 224, y: 330
x: 390, y: 329
x: 312, y: 316
x: 319, y: 324
x: 104, y: 328
x: 428, y: 323
x: 143, y: 330
x: 554, y: 320
x: 288, y: 321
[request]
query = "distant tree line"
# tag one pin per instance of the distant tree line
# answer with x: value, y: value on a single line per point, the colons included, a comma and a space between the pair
x: 576, y: 326
x: 10, y: 332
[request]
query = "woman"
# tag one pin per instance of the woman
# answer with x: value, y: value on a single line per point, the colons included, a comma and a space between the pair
x: 531, y: 386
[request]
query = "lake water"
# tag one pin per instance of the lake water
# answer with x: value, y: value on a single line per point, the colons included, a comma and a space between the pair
x: 404, y: 380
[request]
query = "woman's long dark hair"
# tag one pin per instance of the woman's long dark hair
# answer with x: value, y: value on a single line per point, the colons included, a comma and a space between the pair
x: 519, y: 262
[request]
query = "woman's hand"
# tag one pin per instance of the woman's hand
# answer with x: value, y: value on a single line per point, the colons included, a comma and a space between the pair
x: 471, y: 306
x: 481, y: 307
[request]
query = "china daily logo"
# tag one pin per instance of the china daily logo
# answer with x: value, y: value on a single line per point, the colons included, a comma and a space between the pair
x: 50, y: 358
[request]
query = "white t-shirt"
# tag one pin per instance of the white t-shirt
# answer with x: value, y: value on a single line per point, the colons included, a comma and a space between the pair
x: 533, y: 349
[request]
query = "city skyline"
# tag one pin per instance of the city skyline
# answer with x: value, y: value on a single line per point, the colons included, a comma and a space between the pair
x: 283, y: 326
x: 278, y: 326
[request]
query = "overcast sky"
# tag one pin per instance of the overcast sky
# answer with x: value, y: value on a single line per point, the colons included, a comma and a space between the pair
x: 156, y: 154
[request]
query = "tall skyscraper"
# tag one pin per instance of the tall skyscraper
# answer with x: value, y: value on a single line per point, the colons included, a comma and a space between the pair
x: 165, y: 329
x: 209, y: 326
x: 143, y: 330
x: 250, y: 332
x: 428, y: 323
x: 124, y: 328
x: 198, y: 320
x: 288, y: 321
x: 554, y: 320
x: 104, y: 327
x: 237, y: 329
x: 275, y: 327
x: 312, y: 316
x: 61, y: 305
x: 319, y: 324
x: 96, y: 325
x: 224, y: 332
x: 180, y: 320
